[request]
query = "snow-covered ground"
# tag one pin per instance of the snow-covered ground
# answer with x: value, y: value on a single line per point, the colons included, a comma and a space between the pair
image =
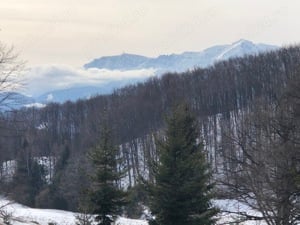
x: 237, y: 207
x: 22, y: 215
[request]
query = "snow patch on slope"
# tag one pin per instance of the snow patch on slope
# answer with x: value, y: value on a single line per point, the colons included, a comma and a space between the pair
x: 230, y: 210
x: 22, y: 215
x: 241, y: 48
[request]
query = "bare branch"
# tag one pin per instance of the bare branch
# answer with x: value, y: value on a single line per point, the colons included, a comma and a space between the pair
x: 10, y: 76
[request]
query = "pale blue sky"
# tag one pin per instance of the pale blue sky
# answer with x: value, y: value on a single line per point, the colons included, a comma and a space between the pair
x: 74, y: 32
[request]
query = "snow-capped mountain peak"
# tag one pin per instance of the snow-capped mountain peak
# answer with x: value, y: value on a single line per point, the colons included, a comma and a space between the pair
x: 241, y: 48
x: 180, y: 62
x: 243, y: 41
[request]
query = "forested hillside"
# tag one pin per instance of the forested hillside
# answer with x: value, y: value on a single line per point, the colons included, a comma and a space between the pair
x: 222, y: 97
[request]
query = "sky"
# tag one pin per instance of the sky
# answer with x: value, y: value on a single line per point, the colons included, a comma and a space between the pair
x: 74, y: 32
x: 68, y: 32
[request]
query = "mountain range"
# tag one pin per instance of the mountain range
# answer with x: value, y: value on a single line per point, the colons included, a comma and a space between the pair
x: 161, y: 64
x: 179, y: 62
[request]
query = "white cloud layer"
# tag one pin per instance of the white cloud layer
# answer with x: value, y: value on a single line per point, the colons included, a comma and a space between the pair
x: 45, y: 78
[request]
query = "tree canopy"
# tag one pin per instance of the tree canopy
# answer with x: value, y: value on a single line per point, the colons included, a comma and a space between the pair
x: 182, y: 190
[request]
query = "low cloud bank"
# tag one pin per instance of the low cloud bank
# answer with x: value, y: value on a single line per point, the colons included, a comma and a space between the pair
x: 46, y: 78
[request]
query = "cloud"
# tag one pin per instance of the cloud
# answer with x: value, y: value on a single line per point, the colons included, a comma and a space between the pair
x: 49, y: 98
x: 61, y: 31
x: 45, y: 78
x: 35, y: 105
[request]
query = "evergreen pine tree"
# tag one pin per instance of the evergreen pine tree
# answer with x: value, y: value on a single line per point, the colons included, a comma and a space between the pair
x: 29, y: 177
x: 181, y: 193
x: 105, y: 196
x: 58, y: 200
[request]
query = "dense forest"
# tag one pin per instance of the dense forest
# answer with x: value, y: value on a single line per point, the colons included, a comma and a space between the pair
x: 240, y: 104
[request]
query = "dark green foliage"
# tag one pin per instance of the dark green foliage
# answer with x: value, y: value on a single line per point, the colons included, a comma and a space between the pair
x: 84, y: 217
x: 29, y: 178
x: 52, y: 196
x: 182, y: 192
x: 106, y: 197
x: 137, y: 198
x: 58, y: 197
x: 62, y: 162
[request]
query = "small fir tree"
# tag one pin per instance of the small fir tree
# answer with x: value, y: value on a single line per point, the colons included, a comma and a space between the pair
x: 106, y: 198
x: 181, y: 193
x: 29, y: 177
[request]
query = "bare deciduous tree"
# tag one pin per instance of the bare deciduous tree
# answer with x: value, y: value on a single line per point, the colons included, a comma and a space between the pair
x: 10, y: 70
x: 265, y: 170
x: 10, y: 82
x: 5, y: 214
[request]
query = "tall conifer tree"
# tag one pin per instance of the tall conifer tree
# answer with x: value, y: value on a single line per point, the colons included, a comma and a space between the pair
x: 182, y: 193
x: 106, y: 197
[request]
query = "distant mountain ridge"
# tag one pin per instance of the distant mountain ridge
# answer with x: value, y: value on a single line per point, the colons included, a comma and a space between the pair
x: 160, y: 64
x: 179, y: 62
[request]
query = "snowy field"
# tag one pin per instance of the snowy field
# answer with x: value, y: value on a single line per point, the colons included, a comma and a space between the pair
x: 234, y: 206
x: 22, y: 215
